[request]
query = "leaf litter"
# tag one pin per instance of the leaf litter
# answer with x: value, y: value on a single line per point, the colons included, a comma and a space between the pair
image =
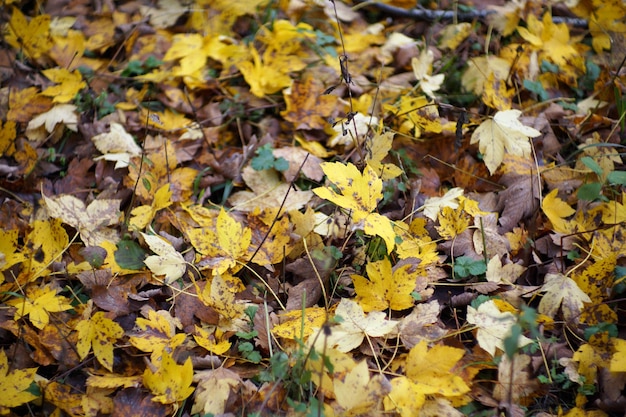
x: 281, y: 208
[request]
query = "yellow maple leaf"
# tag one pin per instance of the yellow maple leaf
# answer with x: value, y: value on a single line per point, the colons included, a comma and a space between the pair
x: 557, y: 210
x: 479, y: 69
x: 452, y: 222
x: 263, y: 77
x: 295, y: 325
x: 69, y: 84
x: 428, y: 372
x: 15, y: 384
x: 224, y: 247
x: 157, y: 334
x: 503, y: 132
x: 220, y: 295
x: 562, y: 291
x: 99, y: 333
x: 167, y: 262
x: 32, y: 37
x: 214, y: 389
x: 212, y: 341
x: 355, y: 325
x: 618, y: 360
x: 170, y: 382
x: 415, y: 115
x: 359, y: 193
x: 432, y: 369
x: 493, y: 326
x: 384, y: 288
x: 38, y: 304
x: 416, y: 242
x: 378, y: 148
x: 357, y: 393
x: 142, y: 216
x: 553, y: 43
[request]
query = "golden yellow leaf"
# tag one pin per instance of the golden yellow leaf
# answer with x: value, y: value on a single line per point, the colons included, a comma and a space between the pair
x: 357, y: 192
x: 294, y: 326
x: 416, y: 242
x: 210, y: 341
x: 170, y: 383
x: 453, y: 35
x: 14, y: 383
x: 405, y: 397
x: 479, y: 69
x: 357, y: 392
x: 618, y: 360
x: 561, y: 291
x: 38, y: 303
x: 142, y: 216
x: 263, y: 77
x: 383, y: 288
x: 214, y: 388
x: 432, y: 370
x: 221, y: 296
x: 7, y: 138
x: 157, y: 333
x: 69, y: 84
x: 378, y: 148
x: 433, y: 205
x: 452, y: 222
x: 223, y: 248
x: 32, y: 37
x: 99, y: 333
x: 504, y: 132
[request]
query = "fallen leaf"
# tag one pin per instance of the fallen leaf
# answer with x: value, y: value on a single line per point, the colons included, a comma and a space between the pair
x: 504, y: 132
x: 561, y: 291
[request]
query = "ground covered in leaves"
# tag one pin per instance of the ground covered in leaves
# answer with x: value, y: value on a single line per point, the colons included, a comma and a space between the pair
x: 312, y: 207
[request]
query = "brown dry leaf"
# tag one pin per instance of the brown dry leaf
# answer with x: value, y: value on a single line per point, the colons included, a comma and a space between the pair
x: 92, y: 222
x: 421, y: 324
x: 515, y: 384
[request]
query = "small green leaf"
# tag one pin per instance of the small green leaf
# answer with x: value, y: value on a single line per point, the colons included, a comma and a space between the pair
x: 617, y: 177
x: 264, y: 158
x: 590, y: 192
x: 592, y: 165
x: 129, y: 255
x: 465, y: 266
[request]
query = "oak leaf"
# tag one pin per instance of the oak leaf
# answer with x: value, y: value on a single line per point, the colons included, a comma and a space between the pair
x: 504, y: 132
